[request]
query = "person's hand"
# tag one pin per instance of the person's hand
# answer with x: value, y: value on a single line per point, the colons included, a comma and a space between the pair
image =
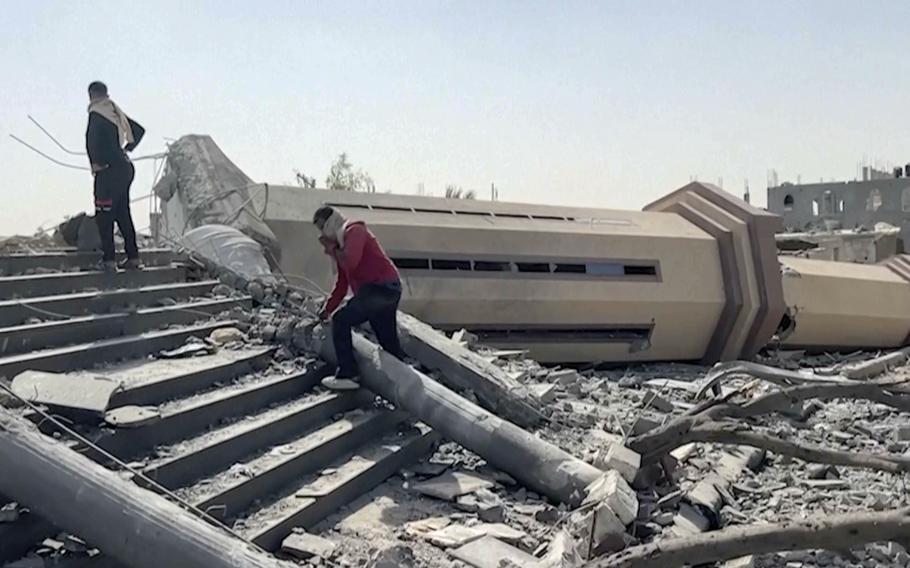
x: 323, y: 315
x: 329, y: 246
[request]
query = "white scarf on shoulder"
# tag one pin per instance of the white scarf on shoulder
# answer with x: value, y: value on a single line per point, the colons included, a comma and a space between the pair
x: 334, y: 228
x: 109, y: 110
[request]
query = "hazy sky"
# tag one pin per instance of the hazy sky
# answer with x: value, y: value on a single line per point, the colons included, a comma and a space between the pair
x: 584, y: 103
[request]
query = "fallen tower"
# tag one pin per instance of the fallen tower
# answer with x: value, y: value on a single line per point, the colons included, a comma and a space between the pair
x: 694, y: 276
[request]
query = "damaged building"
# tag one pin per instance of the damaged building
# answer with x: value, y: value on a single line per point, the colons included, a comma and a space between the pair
x: 879, y: 197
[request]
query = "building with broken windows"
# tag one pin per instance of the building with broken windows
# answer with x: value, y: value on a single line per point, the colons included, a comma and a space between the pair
x: 877, y: 198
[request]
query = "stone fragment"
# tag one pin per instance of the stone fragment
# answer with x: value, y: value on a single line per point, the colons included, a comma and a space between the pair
x: 222, y: 290
x: 601, y: 528
x: 456, y: 535
x: 826, y: 483
x: 670, y: 500
x: 268, y: 331
x: 423, y: 527
x: 544, y: 392
x: 489, y: 552
x: 449, y: 486
x: 399, y: 556
x: 225, y: 335
x: 285, y: 331
x: 705, y: 494
x: 903, y: 433
x: 256, y: 291
x: 564, y: 377
x: 547, y: 514
x: 304, y: 545
x: 612, y: 490
x: 620, y: 458
x: 657, y: 402
x: 465, y: 338
x: 78, y: 392
x: 684, y: 452
x: 132, y: 416
x: 9, y: 513
x: 690, y: 521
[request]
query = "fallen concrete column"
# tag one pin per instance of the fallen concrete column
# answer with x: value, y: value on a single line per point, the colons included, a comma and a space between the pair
x: 540, y: 466
x: 463, y: 369
x: 112, y: 513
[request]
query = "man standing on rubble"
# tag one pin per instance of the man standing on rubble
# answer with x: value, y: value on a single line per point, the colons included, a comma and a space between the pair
x: 364, y: 267
x: 108, y: 138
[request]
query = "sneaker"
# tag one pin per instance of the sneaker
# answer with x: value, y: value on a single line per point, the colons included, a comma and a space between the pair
x: 340, y: 384
x: 108, y: 266
x: 130, y: 264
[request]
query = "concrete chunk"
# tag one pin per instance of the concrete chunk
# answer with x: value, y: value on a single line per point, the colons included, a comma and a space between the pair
x: 489, y: 552
x: 601, y: 529
x: 742, y: 562
x: 457, y: 535
x: 132, y: 416
x: 84, y: 393
x: 304, y: 545
x: 620, y: 458
x: 543, y: 392
x: 452, y: 485
x: 612, y: 490
x: 690, y: 521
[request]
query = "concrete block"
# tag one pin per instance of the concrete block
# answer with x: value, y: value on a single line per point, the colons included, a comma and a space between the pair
x: 455, y: 535
x: 903, y: 434
x: 544, y: 392
x: 612, y: 490
x: 304, y: 545
x: 601, y: 528
x: 80, y: 392
x: 690, y: 521
x: 620, y: 458
x: 450, y: 486
x: 564, y: 377
x: 645, y: 424
x: 706, y: 495
x: 489, y: 552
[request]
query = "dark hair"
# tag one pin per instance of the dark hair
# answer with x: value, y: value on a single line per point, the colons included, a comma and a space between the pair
x: 97, y: 88
x: 322, y: 214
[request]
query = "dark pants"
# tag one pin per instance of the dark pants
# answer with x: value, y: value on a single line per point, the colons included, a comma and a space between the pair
x: 112, y: 205
x: 374, y: 303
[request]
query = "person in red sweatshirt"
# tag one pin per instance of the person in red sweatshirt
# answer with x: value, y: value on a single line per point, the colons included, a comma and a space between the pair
x: 364, y: 268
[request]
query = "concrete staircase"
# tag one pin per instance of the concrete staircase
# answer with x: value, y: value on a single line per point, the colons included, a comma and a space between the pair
x: 255, y: 443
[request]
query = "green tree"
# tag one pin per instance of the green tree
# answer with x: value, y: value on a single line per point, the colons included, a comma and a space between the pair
x: 456, y: 192
x: 343, y: 177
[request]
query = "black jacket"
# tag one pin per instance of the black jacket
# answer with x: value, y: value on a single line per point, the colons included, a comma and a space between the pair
x: 102, y: 141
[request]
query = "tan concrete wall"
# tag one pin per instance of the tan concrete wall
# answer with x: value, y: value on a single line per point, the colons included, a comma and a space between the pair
x: 682, y: 304
x: 846, y: 305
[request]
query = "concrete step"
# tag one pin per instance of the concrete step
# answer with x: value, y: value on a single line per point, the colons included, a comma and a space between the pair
x: 17, y: 312
x: 185, y: 418
x: 86, y: 355
x: 218, y: 449
x: 30, y: 286
x: 315, y: 498
x: 153, y: 382
x: 22, y: 338
x: 228, y: 494
x: 23, y: 263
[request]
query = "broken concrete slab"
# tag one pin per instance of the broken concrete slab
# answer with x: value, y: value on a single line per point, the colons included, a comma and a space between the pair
x: 430, y: 469
x: 620, y: 458
x: 490, y: 552
x: 450, y: 486
x: 657, y: 402
x: 304, y: 546
x: 82, y: 393
x: 600, y: 529
x: 423, y: 527
x: 9, y: 513
x: 544, y: 393
x: 132, y: 416
x: 456, y: 535
x: 742, y: 562
x: 612, y: 490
